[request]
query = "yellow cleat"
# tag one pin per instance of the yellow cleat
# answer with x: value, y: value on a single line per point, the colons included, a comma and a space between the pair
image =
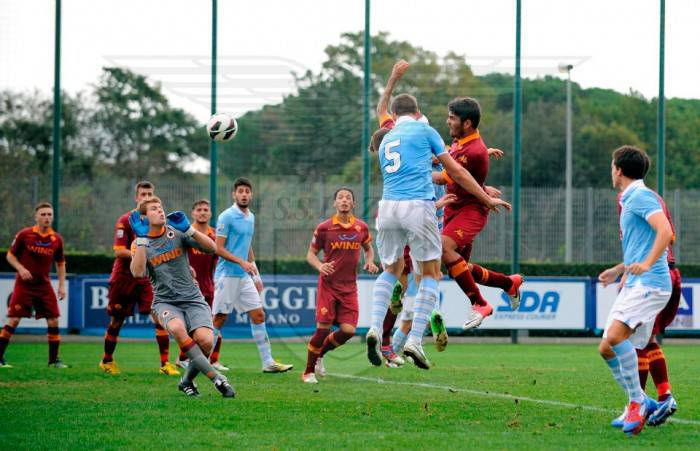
x: 110, y: 368
x: 169, y: 369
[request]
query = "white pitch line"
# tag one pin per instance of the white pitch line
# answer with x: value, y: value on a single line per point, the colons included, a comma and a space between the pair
x: 496, y: 395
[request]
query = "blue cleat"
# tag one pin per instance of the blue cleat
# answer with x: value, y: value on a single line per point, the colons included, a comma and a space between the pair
x: 619, y: 421
x: 663, y: 412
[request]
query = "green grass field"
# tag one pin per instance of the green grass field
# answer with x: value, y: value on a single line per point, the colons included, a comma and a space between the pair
x: 477, y: 396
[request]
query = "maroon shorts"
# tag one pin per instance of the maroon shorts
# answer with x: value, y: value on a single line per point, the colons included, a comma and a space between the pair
x: 337, y: 305
x: 209, y: 298
x: 407, y: 261
x: 666, y: 316
x: 125, y: 293
x: 465, y: 224
x: 40, y: 297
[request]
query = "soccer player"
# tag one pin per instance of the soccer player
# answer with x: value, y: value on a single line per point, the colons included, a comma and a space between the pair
x: 237, y: 280
x: 651, y: 359
x: 406, y: 215
x: 32, y: 253
x: 203, y: 265
x: 646, y: 235
x: 127, y: 292
x: 160, y: 252
x: 467, y: 216
x: 340, y: 238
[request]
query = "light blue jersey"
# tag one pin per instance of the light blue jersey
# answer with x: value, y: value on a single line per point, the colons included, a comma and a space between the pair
x: 405, y: 156
x: 238, y: 229
x: 638, y: 203
x: 439, y: 190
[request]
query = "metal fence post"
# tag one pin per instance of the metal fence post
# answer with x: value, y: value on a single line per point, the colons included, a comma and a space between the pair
x: 589, y: 225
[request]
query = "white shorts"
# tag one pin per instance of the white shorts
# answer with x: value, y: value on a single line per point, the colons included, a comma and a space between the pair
x: 407, y: 310
x: 637, y: 307
x: 235, y: 292
x: 407, y: 222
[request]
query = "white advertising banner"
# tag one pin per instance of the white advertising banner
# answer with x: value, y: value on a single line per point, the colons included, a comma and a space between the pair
x: 687, y: 317
x: 545, y: 304
x: 6, y: 287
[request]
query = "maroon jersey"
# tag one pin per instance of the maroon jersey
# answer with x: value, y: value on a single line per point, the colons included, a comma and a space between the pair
x: 37, y: 252
x: 670, y: 258
x: 341, y: 243
x: 123, y: 237
x: 473, y: 155
x: 204, y: 265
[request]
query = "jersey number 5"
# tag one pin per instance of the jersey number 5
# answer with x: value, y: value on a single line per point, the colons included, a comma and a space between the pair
x: 393, y: 156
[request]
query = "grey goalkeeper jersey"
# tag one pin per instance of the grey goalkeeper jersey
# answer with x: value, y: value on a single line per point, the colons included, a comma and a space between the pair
x: 169, y: 268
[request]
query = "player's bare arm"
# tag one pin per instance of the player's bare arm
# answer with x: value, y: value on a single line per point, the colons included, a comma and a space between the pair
x: 226, y: 255
x: 19, y: 267
x: 208, y: 245
x: 325, y: 269
x: 462, y: 177
x: 493, y: 192
x: 369, y: 265
x: 664, y: 234
x: 610, y: 275
x: 397, y: 72
x: 495, y: 153
x: 122, y: 253
x: 138, y: 262
x: 445, y: 200
x: 61, y: 271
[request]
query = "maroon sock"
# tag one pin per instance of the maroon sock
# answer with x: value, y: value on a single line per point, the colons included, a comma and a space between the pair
x: 163, y: 340
x: 658, y: 370
x: 217, y: 348
x: 389, y: 321
x: 54, y: 343
x: 335, y: 340
x: 111, y: 338
x: 642, y: 367
x: 459, y: 271
x: 314, y: 348
x: 5, y: 335
x: 483, y: 276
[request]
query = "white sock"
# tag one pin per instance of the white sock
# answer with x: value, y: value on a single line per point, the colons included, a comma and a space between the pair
x: 259, y: 332
x: 629, y: 369
x: 398, y: 340
x: 423, y: 307
x: 381, y: 297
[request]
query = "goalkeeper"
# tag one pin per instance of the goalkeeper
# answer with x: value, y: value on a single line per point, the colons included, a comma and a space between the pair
x: 160, y: 251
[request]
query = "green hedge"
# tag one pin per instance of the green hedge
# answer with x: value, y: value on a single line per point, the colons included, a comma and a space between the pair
x: 84, y: 263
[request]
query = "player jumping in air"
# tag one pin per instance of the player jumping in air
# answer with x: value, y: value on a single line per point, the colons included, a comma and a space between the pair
x: 237, y: 280
x: 646, y: 235
x: 160, y: 252
x: 340, y: 238
x: 406, y: 215
x: 651, y: 358
x: 127, y: 292
x: 203, y: 265
x: 32, y: 253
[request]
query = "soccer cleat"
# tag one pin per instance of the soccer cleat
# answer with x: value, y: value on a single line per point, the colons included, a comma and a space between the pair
x: 637, y: 415
x: 218, y: 366
x: 224, y: 388
x: 514, y: 292
x: 169, y: 369
x: 664, y: 410
x: 58, y: 364
x: 309, y: 378
x: 110, y: 368
x: 392, y: 359
x: 437, y: 326
x: 277, y: 367
x: 415, y: 352
x: 373, y: 343
x: 188, y: 388
x: 619, y: 421
x: 396, y: 305
x: 4, y: 364
x: 319, y: 368
x: 479, y: 312
x: 182, y: 363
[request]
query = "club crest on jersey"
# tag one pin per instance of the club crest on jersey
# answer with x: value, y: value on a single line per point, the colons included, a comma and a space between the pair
x: 120, y: 233
x: 358, y: 228
x: 170, y: 234
x: 165, y: 314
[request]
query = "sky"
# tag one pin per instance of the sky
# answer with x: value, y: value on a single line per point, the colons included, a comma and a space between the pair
x: 612, y: 43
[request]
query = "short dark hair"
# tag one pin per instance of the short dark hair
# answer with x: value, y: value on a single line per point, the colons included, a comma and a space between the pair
x: 41, y: 205
x: 632, y: 161
x: 377, y: 138
x: 200, y: 202
x: 145, y: 184
x: 466, y: 108
x: 343, y: 188
x: 242, y: 181
x: 404, y: 104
